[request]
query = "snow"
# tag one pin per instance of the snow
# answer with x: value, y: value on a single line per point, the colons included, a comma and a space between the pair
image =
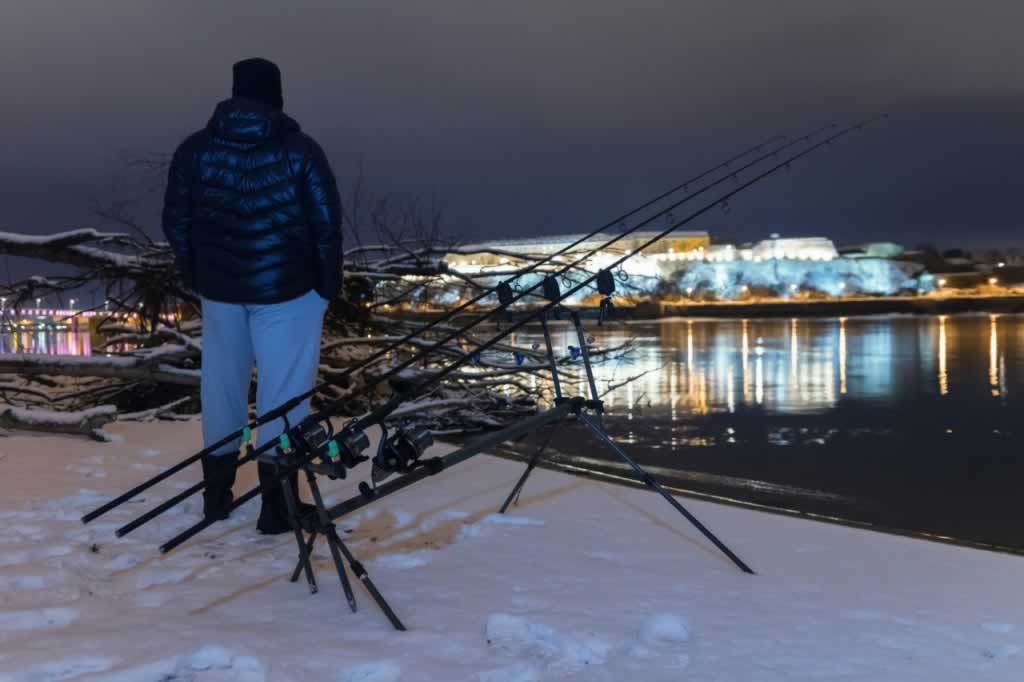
x: 41, y: 417
x: 876, y: 276
x: 582, y: 581
x: 68, y: 236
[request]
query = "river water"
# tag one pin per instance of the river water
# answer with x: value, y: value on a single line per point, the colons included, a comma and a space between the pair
x: 909, y: 423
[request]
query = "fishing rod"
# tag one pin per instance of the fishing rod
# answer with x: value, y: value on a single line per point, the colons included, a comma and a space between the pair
x: 379, y: 414
x: 504, y: 292
x: 245, y: 433
x: 507, y: 298
x: 354, y: 429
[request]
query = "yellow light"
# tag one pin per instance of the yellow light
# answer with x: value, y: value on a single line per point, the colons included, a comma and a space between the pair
x: 942, y: 282
x: 993, y: 280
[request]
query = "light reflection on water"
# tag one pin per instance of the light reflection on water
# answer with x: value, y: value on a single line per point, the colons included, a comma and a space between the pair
x: 46, y: 342
x: 791, y: 366
x: 906, y: 422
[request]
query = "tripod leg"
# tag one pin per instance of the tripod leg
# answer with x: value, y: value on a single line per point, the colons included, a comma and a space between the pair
x: 332, y: 537
x: 514, y: 495
x: 293, y: 508
x: 649, y: 481
x: 360, y: 572
x: 309, y: 550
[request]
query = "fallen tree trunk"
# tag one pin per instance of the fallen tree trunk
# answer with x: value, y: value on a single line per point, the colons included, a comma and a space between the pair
x: 86, y: 422
x: 132, y: 368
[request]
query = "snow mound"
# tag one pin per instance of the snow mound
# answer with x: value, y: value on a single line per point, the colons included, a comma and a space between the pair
x: 664, y: 628
x: 211, y: 662
x: 562, y: 652
x: 378, y: 671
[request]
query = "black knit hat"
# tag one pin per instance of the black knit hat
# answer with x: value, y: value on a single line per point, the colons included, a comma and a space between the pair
x: 258, y: 79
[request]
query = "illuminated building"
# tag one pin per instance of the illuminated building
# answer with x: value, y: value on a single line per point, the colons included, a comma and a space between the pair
x: 680, y: 246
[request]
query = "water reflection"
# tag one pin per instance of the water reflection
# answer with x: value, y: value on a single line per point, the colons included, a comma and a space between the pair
x: 943, y: 373
x: 698, y: 367
x: 46, y: 342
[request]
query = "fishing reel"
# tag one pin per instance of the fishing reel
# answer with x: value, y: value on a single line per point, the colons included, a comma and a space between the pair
x: 337, y: 453
x: 400, y: 452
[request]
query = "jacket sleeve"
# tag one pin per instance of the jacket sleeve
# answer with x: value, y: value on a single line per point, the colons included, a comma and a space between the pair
x: 178, y: 212
x: 322, y: 206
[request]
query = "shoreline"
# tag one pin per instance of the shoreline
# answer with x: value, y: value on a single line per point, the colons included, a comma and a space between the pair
x: 777, y: 308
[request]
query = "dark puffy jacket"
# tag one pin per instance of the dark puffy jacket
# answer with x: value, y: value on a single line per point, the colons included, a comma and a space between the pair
x: 252, y: 209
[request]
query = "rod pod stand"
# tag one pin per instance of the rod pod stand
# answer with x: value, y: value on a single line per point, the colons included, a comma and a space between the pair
x: 287, y: 459
x: 590, y: 413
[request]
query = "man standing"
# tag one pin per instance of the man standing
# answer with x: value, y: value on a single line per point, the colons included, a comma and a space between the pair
x: 253, y: 216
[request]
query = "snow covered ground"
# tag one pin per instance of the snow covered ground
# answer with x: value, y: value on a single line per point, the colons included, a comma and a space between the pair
x: 583, y: 581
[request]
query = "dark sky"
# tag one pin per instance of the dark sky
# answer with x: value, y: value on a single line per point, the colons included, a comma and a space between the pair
x: 542, y: 117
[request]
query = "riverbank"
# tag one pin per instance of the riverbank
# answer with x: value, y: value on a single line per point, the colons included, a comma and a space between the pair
x: 584, y: 580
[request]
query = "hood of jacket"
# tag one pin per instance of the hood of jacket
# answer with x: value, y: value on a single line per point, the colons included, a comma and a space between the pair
x: 249, y: 121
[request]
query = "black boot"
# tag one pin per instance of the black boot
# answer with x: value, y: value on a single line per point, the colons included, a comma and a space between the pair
x: 219, y: 475
x: 274, y: 512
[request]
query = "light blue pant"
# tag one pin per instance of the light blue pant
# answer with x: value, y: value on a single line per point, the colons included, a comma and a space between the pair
x: 284, y: 341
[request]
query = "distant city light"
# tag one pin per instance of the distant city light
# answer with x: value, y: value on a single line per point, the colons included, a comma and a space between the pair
x: 993, y: 280
x: 942, y: 282
x: 1001, y: 265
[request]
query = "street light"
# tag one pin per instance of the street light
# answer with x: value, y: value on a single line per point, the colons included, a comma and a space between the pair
x: 39, y: 302
x: 72, y: 305
x: 993, y: 281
